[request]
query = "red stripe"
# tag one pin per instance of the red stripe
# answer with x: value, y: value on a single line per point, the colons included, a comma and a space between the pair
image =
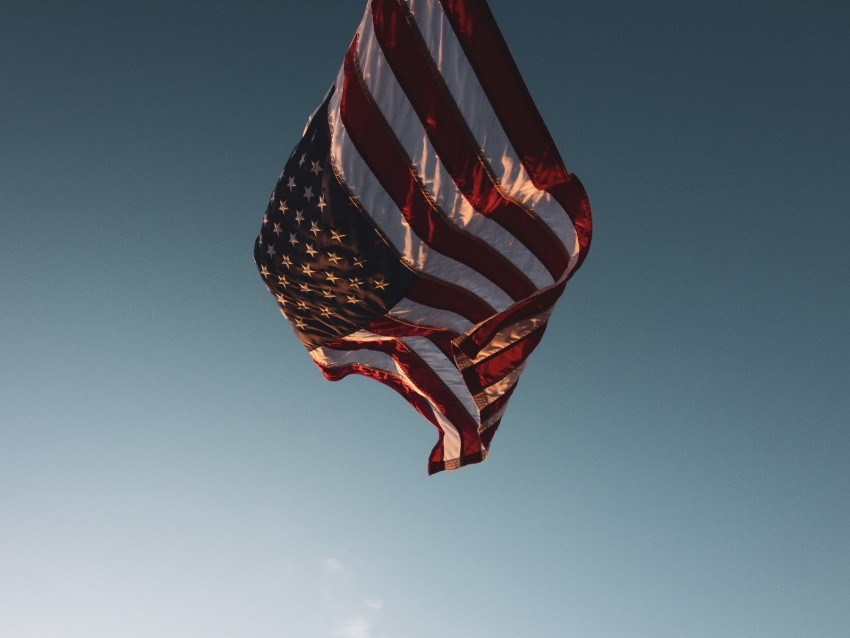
x: 489, y: 56
x: 380, y: 150
x: 496, y: 367
x: 442, y: 295
x: 415, y: 71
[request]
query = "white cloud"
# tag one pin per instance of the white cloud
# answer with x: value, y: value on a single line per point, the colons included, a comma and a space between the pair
x: 374, y: 603
x: 356, y: 627
x: 347, y: 613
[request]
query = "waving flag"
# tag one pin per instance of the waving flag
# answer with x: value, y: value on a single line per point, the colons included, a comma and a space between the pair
x: 424, y: 227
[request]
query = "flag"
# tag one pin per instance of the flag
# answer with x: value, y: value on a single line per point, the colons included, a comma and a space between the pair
x: 425, y: 225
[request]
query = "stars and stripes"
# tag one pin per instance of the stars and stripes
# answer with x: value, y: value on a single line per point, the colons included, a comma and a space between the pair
x: 424, y: 227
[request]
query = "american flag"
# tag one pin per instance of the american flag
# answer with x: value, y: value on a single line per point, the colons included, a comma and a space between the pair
x: 425, y: 225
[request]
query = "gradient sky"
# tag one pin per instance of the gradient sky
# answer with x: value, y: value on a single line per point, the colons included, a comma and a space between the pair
x: 675, y: 462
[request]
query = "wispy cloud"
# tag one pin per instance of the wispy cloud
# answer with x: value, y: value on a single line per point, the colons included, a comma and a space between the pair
x: 374, y: 603
x: 332, y: 565
x: 348, y: 613
x: 354, y: 627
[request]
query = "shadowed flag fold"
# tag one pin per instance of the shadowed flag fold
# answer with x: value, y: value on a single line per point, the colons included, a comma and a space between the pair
x: 425, y: 225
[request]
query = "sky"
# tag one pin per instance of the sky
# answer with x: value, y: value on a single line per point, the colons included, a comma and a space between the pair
x: 673, y: 463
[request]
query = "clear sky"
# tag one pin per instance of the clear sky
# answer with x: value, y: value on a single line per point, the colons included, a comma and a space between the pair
x: 675, y: 462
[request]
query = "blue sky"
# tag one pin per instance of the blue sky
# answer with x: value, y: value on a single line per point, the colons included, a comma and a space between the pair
x: 674, y: 462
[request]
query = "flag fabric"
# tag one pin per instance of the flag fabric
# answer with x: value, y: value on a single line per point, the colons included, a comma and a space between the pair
x: 425, y: 225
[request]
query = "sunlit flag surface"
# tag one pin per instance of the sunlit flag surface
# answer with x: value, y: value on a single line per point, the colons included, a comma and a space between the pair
x: 425, y: 225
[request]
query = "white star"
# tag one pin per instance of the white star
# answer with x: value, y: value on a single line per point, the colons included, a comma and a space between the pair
x: 304, y: 287
x: 264, y: 271
x: 314, y: 228
x: 302, y: 305
x: 283, y: 207
x: 293, y: 238
x: 299, y: 323
x: 286, y: 261
x: 281, y: 279
x: 354, y: 282
x: 299, y: 216
x: 326, y: 312
x: 351, y: 299
x: 291, y: 184
x: 281, y: 299
x: 316, y: 168
x: 359, y: 263
x: 380, y: 284
x: 302, y: 160
x: 265, y: 219
x: 331, y: 277
x: 334, y: 258
x: 306, y: 268
x: 328, y: 293
x: 277, y: 230
x: 311, y: 251
x: 321, y: 203
x: 308, y: 193
x: 270, y: 250
x: 337, y: 236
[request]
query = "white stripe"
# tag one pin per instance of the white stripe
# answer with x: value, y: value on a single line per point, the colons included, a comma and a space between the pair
x: 445, y: 369
x: 462, y: 82
x: 351, y: 168
x: 330, y: 358
x: 451, y: 437
x: 408, y: 311
x: 407, y: 127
